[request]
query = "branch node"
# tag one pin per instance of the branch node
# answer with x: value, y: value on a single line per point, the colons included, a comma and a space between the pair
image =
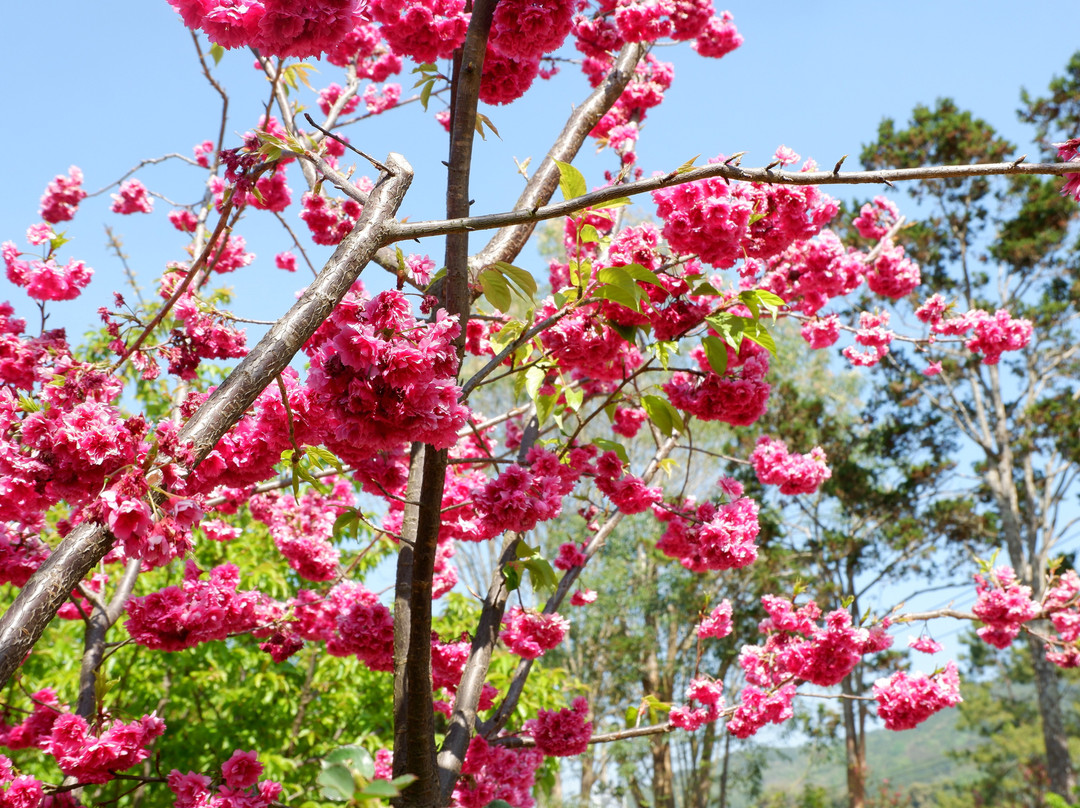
x: 1019, y: 160
x: 840, y: 162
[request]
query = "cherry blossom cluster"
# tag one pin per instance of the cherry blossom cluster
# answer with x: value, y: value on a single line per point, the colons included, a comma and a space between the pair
x: 35, y: 730
x: 91, y: 758
x: 1069, y: 152
x: 1002, y: 605
x: 710, y: 536
x: 45, y: 279
x: 520, y: 498
x: 906, y: 701
x: 709, y: 694
x: 872, y: 334
x: 587, y: 348
x: 19, y: 791
x: 349, y: 619
x: 717, y: 623
x: 381, y: 379
x: 492, y: 772
x: 275, y: 27
x: 798, y: 648
x: 809, y: 273
x: 562, y: 733
x: 739, y: 397
x: 241, y: 786
x: 62, y: 197
x: 302, y: 527
x: 723, y: 223
x: 530, y: 634
x: 132, y: 198
x: 794, y: 473
x: 199, y: 610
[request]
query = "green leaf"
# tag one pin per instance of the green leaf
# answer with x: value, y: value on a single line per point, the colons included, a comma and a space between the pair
x: 631, y: 717
x: 545, y: 406
x: 425, y: 92
x: 627, y: 332
x: 496, y: 290
x: 541, y: 574
x: 498, y: 804
x: 689, y: 164
x: 661, y: 413
x: 614, y: 203
x: 588, y: 235
x: 521, y: 278
x: 716, y: 353
x: 571, y: 181
x: 574, y: 397
x: 347, y: 522
x: 663, y: 350
x: 379, y: 789
x: 640, y: 273
x: 336, y: 783
x: 705, y: 289
x: 512, y: 575
x: 534, y: 380
x: 618, y: 295
x: 483, y: 120
x: 216, y: 52
x: 611, y: 446
x: 756, y: 332
x: 354, y: 757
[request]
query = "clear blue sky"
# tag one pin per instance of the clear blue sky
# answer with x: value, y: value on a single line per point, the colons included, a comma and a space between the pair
x: 106, y: 85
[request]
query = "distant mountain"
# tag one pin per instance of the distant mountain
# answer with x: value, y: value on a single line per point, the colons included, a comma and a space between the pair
x: 910, y: 760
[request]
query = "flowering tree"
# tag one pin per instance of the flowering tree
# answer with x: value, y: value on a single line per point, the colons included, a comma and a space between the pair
x: 640, y: 330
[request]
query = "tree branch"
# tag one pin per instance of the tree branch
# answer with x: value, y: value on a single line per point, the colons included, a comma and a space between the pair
x: 413, y: 230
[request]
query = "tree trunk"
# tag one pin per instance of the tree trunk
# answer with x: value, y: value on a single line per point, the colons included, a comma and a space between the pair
x: 1058, y: 762
x: 854, y: 748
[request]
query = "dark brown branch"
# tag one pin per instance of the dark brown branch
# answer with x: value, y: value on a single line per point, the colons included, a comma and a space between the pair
x: 101, y: 620
x: 35, y: 606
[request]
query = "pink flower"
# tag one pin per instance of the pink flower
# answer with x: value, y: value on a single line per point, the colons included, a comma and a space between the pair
x: 530, y: 634
x: 583, y: 597
x: 285, y: 260
x: 875, y: 219
x: 132, y: 198
x: 718, y: 623
x: 906, y: 701
x: 562, y: 733
x: 998, y: 333
x: 62, y: 197
x: 720, y: 537
x: 1003, y: 605
x: 794, y: 473
x: 242, y: 770
x: 821, y: 332
x: 785, y: 156
x: 926, y: 644
x: 39, y: 233
x: 1068, y: 153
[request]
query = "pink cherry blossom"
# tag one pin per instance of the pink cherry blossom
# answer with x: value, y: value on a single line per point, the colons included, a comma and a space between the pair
x: 530, y: 634
x: 906, y: 701
x: 132, y: 198
x: 562, y: 733
x: 794, y: 473
x: 62, y: 197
